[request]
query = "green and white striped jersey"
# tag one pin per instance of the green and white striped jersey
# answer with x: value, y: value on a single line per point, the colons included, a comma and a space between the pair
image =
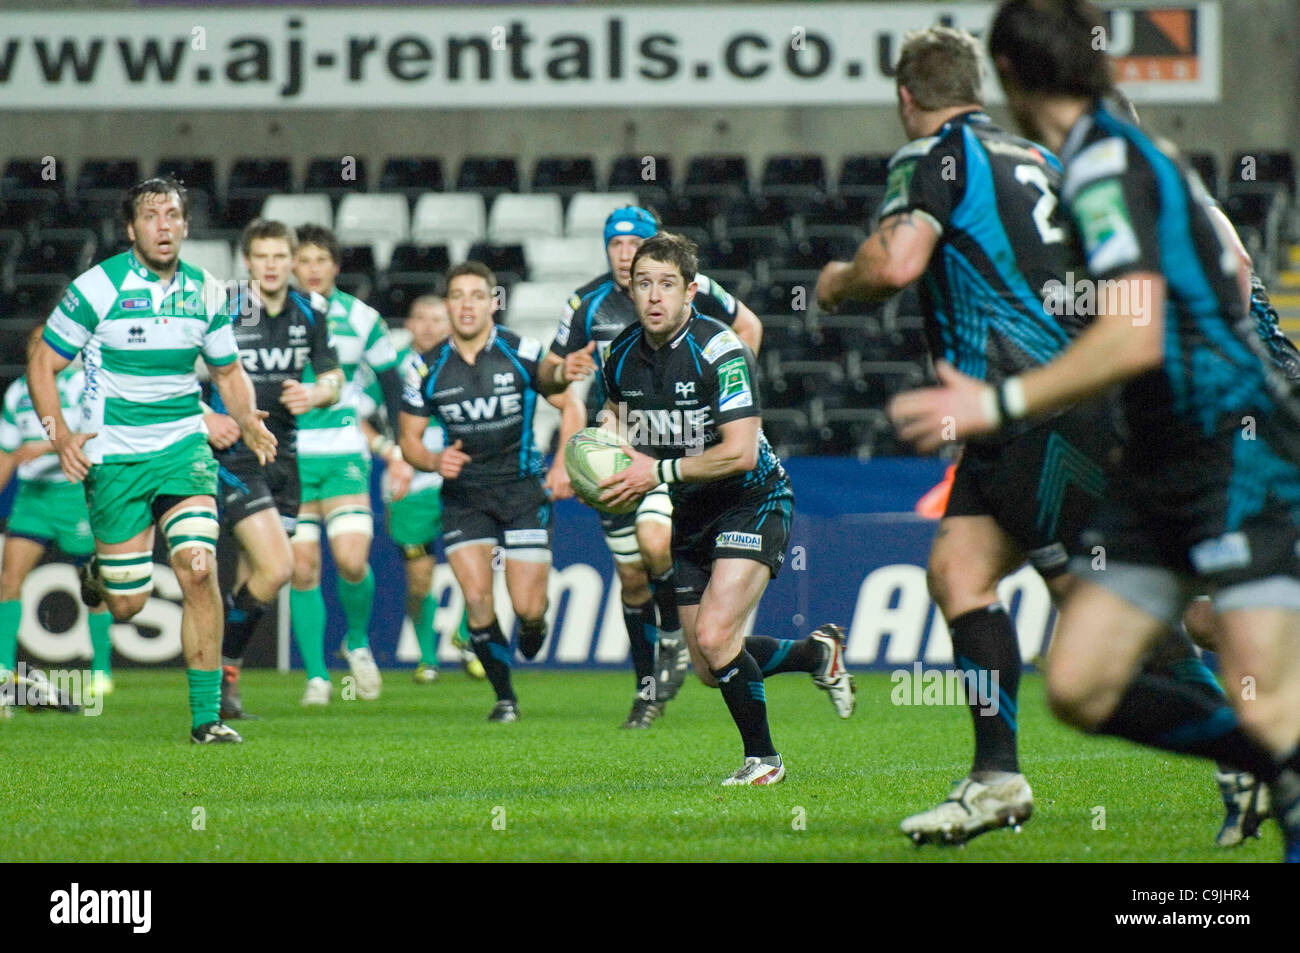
x: 359, y: 334
x: 20, y: 424
x: 435, y: 438
x: 139, y: 338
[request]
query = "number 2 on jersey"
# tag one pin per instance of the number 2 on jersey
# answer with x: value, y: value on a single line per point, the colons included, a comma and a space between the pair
x: 1045, y: 206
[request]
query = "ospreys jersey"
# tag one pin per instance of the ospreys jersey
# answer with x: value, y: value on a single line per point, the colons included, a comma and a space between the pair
x: 992, y: 197
x: 20, y: 424
x: 674, y: 400
x: 279, y: 348
x: 372, y: 400
x: 600, y: 311
x: 487, y: 405
x: 139, y: 337
x: 1138, y: 209
x: 359, y: 334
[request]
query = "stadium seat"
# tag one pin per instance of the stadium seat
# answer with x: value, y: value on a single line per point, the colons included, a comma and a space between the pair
x: 821, y: 244
x: 863, y: 171
x: 412, y: 175
x: 859, y: 208
x: 793, y: 175
x: 651, y: 177
x: 35, y: 296
x: 369, y: 219
x: 296, y: 210
x: 11, y: 243
x: 394, y: 296
x: 853, y: 432
x: 516, y: 217
x: 1274, y: 168
x: 789, y: 291
x: 700, y: 210
x: 881, y: 380
x: 331, y: 176
x: 490, y: 176
x: 214, y: 255
x: 56, y: 252
x: 783, y: 337
x: 505, y: 259
x: 759, y: 211
x: 106, y: 179
x: 534, y: 303
x: 23, y: 177
x: 787, y: 430
x: 252, y: 181
x: 585, y: 217
x: 355, y: 283
x: 449, y: 217
x: 725, y: 176
x: 197, y: 175
x: 574, y: 260
x: 424, y: 262
x: 357, y: 267
x: 564, y: 175
x: 1207, y: 168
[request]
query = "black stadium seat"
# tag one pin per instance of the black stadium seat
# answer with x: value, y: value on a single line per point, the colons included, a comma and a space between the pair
x: 337, y: 177
x: 863, y: 171
x: 101, y: 179
x: 54, y: 252
x: 1207, y: 169
x: 507, y: 261
x: 1276, y: 168
x: 488, y: 175
x: 251, y: 181
x: 793, y: 174
x: 419, y: 261
x: 650, y: 177
x: 412, y: 175
x: 199, y: 176
x: 720, y: 175
x: 564, y: 175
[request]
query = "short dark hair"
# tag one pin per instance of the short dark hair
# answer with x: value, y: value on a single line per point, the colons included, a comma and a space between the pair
x: 158, y: 185
x: 472, y: 268
x: 321, y: 237
x: 940, y: 67
x: 1051, y: 47
x: 260, y: 228
x: 672, y: 249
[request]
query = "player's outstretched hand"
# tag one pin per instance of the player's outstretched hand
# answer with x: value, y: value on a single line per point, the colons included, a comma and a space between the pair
x: 75, y: 463
x: 453, y: 461
x: 398, y: 474
x: 580, y: 363
x: 296, y: 397
x: 558, y: 484
x: 223, y: 432
x: 632, y: 482
x: 257, y: 438
x: 962, y: 407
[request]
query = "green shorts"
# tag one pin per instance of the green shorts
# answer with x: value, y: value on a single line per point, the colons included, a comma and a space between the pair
x: 121, y: 495
x: 53, y: 514
x: 324, y: 478
x: 415, y: 522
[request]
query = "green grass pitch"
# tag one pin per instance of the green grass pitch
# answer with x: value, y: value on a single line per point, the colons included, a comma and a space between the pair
x: 420, y: 775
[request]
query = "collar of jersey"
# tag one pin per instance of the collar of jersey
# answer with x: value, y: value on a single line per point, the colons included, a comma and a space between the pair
x: 139, y: 269
x: 973, y: 115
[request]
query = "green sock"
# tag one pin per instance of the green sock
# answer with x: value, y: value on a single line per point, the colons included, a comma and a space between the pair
x: 357, y: 598
x: 100, y: 642
x: 424, y: 631
x: 205, y: 695
x: 11, y: 615
x: 307, y: 615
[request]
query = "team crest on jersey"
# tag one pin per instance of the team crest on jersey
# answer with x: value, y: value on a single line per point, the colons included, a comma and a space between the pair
x: 503, y: 382
x: 135, y: 334
x: 297, y: 332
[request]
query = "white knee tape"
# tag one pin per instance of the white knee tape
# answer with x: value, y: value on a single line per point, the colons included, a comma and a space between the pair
x: 623, y: 546
x: 192, y: 526
x: 125, y: 574
x: 349, y: 519
x: 656, y: 505
x: 307, y: 530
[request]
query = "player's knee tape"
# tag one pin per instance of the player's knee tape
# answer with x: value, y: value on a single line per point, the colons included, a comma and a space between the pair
x: 349, y: 519
x: 531, y: 554
x: 307, y: 530
x: 623, y: 546
x: 126, y: 574
x: 192, y: 526
x: 656, y: 506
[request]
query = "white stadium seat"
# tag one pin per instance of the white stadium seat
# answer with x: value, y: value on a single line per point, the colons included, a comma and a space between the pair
x: 518, y: 217
x: 363, y: 219
x: 452, y: 218
x: 535, y: 304
x: 213, y: 254
x: 588, y: 211
x: 572, y: 260
x: 295, y: 210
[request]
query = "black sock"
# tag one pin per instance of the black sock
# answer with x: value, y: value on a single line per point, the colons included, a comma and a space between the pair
x: 984, y: 645
x: 777, y: 656
x: 1157, y: 711
x: 741, y: 681
x: 642, y: 636
x: 489, y: 644
x: 532, y: 633
x: 664, y: 588
x: 243, y: 613
x: 1175, y: 656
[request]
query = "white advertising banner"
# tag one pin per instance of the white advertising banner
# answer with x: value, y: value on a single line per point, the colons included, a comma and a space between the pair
x: 561, y: 57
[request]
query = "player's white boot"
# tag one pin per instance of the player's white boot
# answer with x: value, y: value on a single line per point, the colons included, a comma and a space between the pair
x: 318, y: 692
x: 972, y: 808
x: 833, y: 678
x: 366, y: 673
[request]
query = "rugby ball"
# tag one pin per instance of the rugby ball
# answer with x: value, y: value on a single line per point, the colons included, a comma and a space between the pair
x: 592, y: 455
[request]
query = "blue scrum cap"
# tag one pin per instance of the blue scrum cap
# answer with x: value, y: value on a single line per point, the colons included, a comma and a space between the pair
x: 630, y: 220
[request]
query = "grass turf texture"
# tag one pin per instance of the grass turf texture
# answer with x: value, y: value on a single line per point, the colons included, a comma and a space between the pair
x: 417, y: 775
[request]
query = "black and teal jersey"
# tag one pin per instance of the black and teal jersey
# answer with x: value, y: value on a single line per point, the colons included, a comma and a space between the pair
x: 1003, y: 243
x: 1137, y: 208
x: 600, y: 311
x: 1279, y: 347
x: 488, y: 405
x: 673, y: 400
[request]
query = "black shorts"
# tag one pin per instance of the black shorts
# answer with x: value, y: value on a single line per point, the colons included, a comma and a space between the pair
x: 516, y: 516
x: 755, y: 528
x: 1041, y: 486
x: 245, y: 487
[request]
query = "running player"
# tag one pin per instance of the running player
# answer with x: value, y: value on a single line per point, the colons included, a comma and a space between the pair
x: 732, y: 502
x: 335, y: 471
x: 482, y: 384
x: 974, y: 210
x: 140, y: 320
x: 640, y: 541
x: 47, y: 511
x: 1204, y: 492
x: 278, y: 332
x: 413, y: 498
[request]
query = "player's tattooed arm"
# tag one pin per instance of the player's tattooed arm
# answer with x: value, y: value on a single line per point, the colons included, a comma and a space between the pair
x: 894, y: 256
